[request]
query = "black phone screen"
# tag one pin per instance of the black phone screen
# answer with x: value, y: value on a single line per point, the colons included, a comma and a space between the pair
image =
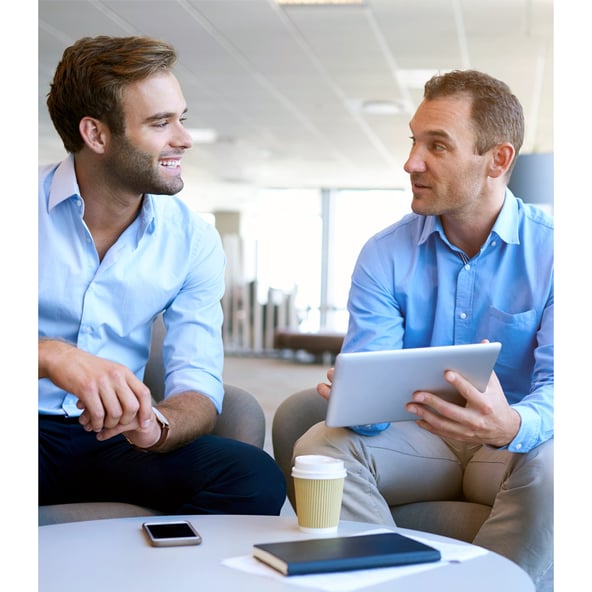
x: 171, y: 530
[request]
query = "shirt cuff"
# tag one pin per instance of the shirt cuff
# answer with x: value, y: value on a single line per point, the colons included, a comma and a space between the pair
x: 370, y: 429
x: 528, y: 435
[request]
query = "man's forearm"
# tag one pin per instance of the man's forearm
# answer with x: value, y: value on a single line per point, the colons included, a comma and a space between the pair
x: 49, y: 349
x: 190, y: 415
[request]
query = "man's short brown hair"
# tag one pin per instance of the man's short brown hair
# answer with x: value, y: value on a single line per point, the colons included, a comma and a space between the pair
x: 496, y: 113
x: 91, y: 76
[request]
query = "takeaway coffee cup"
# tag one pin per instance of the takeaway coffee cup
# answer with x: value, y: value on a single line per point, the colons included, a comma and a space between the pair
x: 318, y: 485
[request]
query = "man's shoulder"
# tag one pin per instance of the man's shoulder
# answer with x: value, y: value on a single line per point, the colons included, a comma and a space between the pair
x: 174, y: 216
x: 536, y: 229
x: 410, y: 226
x: 536, y: 215
x: 172, y: 209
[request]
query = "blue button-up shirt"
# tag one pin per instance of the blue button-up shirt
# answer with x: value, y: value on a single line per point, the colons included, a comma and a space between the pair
x: 412, y: 288
x: 169, y: 259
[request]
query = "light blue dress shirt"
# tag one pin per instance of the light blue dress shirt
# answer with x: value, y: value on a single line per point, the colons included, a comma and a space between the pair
x: 412, y: 288
x: 169, y: 259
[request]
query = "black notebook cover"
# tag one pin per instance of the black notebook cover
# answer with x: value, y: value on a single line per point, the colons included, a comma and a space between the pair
x: 344, y: 553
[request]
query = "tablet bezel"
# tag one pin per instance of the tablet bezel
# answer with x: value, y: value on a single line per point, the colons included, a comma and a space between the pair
x: 374, y: 386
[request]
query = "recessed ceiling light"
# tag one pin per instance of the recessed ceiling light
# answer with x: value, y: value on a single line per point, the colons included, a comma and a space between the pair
x: 383, y: 107
x: 319, y: 2
x: 416, y: 77
x: 380, y: 106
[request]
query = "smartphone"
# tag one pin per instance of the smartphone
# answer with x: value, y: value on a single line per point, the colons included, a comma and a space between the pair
x: 171, y: 534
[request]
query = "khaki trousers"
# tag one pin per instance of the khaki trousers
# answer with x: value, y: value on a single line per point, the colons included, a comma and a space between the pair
x: 406, y: 464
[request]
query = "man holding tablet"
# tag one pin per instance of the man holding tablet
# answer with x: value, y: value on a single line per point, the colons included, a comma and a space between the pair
x: 471, y: 263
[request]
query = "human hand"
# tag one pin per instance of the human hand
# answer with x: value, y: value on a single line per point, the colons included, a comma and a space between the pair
x: 109, y: 393
x: 487, y: 418
x: 140, y: 436
x: 324, y: 389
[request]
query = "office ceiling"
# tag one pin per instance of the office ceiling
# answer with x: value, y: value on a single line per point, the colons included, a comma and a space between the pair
x: 284, y: 87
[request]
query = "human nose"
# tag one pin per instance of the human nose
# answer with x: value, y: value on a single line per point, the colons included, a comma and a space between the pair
x: 182, y: 138
x: 415, y: 162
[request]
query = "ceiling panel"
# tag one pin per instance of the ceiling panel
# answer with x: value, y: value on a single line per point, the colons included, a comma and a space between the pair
x: 283, y: 87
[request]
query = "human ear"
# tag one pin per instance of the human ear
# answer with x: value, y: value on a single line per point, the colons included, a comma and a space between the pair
x: 93, y: 133
x: 502, y: 156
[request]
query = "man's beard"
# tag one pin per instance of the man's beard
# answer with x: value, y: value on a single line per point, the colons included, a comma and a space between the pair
x: 135, y: 170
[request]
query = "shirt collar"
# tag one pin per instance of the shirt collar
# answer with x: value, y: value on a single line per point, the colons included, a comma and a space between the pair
x: 506, y: 225
x: 64, y: 185
x: 148, y: 214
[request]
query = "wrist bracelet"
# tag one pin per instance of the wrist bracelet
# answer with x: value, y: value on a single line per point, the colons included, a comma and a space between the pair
x: 164, y: 432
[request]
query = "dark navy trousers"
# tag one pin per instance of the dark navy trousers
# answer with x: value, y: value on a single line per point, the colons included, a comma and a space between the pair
x: 211, y: 475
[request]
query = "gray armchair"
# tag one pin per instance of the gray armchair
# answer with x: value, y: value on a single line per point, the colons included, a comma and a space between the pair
x: 242, y: 419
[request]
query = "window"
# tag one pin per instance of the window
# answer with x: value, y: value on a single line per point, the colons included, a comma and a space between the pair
x: 355, y: 215
x: 293, y: 251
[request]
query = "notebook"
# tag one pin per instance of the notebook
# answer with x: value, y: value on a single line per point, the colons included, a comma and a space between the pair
x: 373, y: 387
x: 344, y: 553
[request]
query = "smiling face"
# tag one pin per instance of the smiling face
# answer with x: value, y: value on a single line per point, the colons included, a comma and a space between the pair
x: 147, y: 158
x: 447, y: 175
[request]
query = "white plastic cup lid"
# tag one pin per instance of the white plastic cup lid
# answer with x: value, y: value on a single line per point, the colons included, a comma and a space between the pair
x: 316, y: 466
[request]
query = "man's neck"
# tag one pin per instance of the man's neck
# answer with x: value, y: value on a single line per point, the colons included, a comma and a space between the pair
x: 469, y: 230
x: 107, y: 211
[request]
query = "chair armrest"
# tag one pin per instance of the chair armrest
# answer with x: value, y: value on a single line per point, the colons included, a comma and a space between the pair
x: 242, y: 417
x: 292, y: 418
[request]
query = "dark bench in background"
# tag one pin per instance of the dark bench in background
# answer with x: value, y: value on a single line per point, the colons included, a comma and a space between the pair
x: 321, y: 344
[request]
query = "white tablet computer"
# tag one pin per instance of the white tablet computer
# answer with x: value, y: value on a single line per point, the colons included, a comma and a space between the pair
x: 373, y: 387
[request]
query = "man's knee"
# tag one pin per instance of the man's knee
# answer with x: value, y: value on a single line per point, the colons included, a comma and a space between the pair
x: 258, y: 483
x: 319, y: 439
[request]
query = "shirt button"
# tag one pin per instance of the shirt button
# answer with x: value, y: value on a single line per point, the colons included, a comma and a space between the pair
x: 467, y: 267
x: 518, y: 446
x: 463, y: 315
x: 493, y: 243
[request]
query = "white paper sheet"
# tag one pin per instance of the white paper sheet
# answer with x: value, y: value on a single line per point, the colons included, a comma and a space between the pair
x: 354, y: 580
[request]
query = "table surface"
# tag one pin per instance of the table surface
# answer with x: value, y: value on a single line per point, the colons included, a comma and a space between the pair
x: 115, y: 555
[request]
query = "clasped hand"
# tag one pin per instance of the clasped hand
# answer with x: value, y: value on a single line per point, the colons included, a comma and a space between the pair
x: 112, y: 398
